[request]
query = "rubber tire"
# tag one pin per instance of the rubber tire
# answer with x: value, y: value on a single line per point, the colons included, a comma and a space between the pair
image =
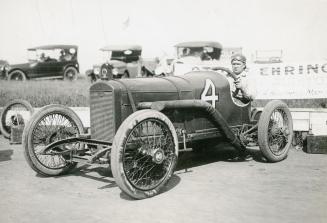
x: 263, y: 130
x: 27, y: 135
x: 118, y: 147
x: 5, y: 132
x: 70, y: 69
x: 19, y: 72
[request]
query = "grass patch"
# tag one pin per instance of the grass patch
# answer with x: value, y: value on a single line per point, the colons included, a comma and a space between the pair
x: 76, y: 94
x: 41, y: 93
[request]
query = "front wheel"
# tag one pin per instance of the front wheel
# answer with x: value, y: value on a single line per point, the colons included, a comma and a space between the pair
x: 17, y: 75
x: 144, y: 153
x: 70, y: 74
x: 275, y: 131
x: 50, y: 124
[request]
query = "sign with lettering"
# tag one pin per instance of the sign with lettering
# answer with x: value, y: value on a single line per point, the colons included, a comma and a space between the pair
x: 289, y: 80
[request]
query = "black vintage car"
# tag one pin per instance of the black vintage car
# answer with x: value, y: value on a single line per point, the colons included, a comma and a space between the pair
x: 47, y: 62
x: 140, y: 126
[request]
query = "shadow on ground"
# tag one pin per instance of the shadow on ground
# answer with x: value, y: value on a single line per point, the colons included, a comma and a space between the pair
x: 221, y: 153
x: 172, y: 182
x: 5, y: 155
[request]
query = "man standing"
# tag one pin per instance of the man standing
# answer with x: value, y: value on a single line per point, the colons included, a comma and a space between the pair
x: 241, y: 87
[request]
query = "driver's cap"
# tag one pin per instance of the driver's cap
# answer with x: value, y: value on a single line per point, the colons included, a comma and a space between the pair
x: 238, y: 57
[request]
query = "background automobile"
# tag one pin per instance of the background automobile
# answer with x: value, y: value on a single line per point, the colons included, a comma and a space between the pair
x: 140, y: 126
x: 196, y: 55
x: 4, y: 66
x: 47, y: 62
x: 122, y: 61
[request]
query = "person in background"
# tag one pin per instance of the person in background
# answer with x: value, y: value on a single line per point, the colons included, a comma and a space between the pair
x: 243, y: 87
x: 62, y: 55
x: 205, y: 55
x: 186, y: 52
x: 42, y: 57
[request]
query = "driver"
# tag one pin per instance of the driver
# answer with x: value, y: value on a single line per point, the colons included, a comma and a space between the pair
x: 241, y: 87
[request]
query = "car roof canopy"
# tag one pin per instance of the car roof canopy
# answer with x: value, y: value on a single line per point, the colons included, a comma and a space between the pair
x: 52, y: 47
x: 200, y: 44
x: 121, y: 47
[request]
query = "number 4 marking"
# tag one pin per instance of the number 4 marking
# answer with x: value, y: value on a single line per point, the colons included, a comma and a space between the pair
x: 213, y: 97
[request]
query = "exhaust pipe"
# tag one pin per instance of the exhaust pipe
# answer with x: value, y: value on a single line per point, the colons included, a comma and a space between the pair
x: 215, y: 115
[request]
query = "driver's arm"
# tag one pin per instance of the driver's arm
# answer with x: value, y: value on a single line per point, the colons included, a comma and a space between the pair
x: 247, y: 90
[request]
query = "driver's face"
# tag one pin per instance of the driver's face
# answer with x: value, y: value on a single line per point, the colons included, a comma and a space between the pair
x: 238, y: 67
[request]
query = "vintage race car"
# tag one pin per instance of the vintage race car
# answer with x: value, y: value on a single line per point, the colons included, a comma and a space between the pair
x: 140, y: 126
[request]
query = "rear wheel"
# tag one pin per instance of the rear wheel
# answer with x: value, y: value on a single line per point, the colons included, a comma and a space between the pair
x: 17, y: 75
x: 70, y: 73
x: 16, y: 112
x: 50, y: 124
x: 275, y: 131
x: 144, y: 153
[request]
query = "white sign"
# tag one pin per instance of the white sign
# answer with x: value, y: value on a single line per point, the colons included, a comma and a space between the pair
x: 290, y: 81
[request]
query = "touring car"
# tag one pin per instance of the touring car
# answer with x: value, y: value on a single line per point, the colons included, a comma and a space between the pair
x: 122, y: 61
x: 141, y: 125
x: 47, y: 62
x: 196, y: 55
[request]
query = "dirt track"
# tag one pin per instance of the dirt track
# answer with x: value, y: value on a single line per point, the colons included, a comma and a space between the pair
x: 211, y: 189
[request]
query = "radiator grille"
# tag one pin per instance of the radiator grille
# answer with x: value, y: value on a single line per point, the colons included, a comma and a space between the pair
x: 102, y: 115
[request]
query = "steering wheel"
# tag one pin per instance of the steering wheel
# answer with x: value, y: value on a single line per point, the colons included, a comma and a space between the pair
x: 227, y: 71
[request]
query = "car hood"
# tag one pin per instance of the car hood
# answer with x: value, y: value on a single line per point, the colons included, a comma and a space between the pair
x: 117, y: 63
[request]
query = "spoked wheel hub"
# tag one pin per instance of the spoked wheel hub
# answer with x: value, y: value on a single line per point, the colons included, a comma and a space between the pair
x: 279, y: 132
x: 158, y: 156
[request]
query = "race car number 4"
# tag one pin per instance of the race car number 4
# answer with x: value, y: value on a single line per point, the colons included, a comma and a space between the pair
x: 209, y: 93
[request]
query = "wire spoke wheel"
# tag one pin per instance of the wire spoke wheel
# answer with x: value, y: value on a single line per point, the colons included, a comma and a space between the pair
x: 51, y: 124
x: 144, y: 153
x: 275, y: 131
x: 148, y: 154
x: 15, y: 113
x: 278, y: 131
x: 49, y: 129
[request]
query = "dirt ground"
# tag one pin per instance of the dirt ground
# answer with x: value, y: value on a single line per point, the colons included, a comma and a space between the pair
x: 207, y: 187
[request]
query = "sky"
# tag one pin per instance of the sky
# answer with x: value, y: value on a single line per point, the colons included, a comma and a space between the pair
x: 298, y: 27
